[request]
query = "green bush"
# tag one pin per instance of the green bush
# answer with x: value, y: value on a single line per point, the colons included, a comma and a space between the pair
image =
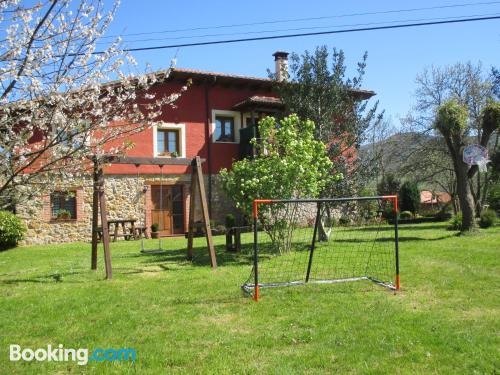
x: 12, y: 230
x: 344, y: 220
x: 494, y: 197
x: 456, y: 222
x: 409, y: 197
x: 405, y: 215
x: 155, y: 227
x: 488, y: 218
x: 389, y: 185
x: 445, y: 213
x: 388, y: 213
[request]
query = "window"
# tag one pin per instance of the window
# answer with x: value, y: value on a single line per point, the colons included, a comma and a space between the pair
x: 168, y: 142
x: 63, y: 205
x: 224, y: 129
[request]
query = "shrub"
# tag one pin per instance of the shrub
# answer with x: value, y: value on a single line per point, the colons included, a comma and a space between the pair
x: 230, y: 221
x: 445, y: 213
x: 155, y: 227
x: 388, y: 213
x: 405, y: 215
x: 456, y: 222
x: 494, y: 197
x: 389, y: 185
x: 409, y: 196
x: 344, y: 220
x: 12, y: 230
x: 488, y: 218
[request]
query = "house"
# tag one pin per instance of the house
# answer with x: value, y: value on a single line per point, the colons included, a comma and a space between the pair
x: 215, y: 119
x: 433, y: 199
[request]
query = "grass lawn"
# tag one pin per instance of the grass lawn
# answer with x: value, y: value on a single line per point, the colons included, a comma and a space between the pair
x: 182, y: 317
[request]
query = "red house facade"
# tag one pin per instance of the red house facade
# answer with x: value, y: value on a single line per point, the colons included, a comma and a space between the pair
x: 213, y: 119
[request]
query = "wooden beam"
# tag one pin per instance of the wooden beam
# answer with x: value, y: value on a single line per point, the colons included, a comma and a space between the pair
x: 192, y: 208
x: 104, y: 223
x: 204, y: 209
x: 147, y: 161
x: 95, y: 216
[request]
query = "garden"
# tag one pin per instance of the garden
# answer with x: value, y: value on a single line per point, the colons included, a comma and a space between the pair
x: 183, y: 317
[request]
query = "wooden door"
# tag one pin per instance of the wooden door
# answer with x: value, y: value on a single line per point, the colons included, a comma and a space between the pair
x: 161, y: 208
x: 167, y: 209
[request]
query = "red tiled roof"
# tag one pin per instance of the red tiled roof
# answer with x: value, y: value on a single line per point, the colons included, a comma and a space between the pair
x: 429, y: 197
x: 196, y: 72
x: 193, y: 73
x: 268, y: 101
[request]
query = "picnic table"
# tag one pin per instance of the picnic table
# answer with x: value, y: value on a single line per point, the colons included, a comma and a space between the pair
x: 128, y: 229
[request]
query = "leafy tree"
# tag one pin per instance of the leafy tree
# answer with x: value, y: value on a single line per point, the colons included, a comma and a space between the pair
x: 429, y: 160
x: 409, y: 196
x: 451, y: 122
x: 54, y: 109
x: 318, y: 89
x: 389, y: 185
x: 289, y: 163
x: 495, y: 75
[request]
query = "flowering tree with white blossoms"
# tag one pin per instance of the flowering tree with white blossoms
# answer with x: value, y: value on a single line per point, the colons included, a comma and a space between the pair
x: 289, y: 163
x: 57, y: 106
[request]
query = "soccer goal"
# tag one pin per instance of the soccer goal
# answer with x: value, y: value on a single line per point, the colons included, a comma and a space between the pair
x: 300, y: 241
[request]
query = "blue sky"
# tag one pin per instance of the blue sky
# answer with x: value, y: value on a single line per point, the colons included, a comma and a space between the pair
x: 394, y: 56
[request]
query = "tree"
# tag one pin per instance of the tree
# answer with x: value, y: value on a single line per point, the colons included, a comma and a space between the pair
x: 451, y: 122
x: 428, y: 160
x: 54, y: 108
x: 326, y: 96
x: 289, y: 163
x: 409, y: 196
x: 495, y: 77
x: 389, y: 185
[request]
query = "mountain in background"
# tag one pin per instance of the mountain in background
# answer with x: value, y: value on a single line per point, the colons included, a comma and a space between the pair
x: 394, y: 151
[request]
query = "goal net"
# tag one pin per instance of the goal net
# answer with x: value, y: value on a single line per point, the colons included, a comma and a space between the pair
x: 324, y: 241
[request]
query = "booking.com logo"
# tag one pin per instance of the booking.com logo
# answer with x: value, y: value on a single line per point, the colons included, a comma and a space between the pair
x: 81, y: 356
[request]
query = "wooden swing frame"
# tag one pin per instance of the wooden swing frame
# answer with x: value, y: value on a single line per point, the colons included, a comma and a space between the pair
x: 99, y: 204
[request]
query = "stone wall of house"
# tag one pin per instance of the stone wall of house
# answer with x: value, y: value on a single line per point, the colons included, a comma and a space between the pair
x: 42, y: 229
x: 221, y: 203
x: 126, y: 198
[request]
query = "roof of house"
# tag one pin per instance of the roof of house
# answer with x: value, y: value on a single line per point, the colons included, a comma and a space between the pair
x: 429, y: 197
x: 240, y: 79
x: 259, y: 101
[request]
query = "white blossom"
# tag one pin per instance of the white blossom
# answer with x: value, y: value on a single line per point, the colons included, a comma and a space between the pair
x: 58, y: 102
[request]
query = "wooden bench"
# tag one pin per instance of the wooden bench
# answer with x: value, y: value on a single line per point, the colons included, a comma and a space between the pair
x: 128, y: 232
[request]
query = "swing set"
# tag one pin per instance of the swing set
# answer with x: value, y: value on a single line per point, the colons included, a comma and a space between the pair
x: 99, y: 205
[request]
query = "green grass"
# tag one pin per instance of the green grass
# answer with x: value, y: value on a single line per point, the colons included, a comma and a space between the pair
x: 182, y: 317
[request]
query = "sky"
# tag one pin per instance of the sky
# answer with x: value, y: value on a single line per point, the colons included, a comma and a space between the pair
x: 395, y: 56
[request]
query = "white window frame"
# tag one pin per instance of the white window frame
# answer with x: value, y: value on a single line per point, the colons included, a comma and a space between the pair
x: 169, y: 126
x: 248, y: 115
x: 237, y: 124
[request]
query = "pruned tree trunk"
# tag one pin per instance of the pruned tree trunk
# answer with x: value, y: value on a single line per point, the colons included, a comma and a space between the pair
x: 465, y: 195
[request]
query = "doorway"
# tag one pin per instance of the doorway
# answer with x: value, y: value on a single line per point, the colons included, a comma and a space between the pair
x: 167, y: 209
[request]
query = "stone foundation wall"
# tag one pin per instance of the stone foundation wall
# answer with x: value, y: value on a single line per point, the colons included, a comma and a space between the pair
x: 42, y: 229
x: 221, y: 203
x: 125, y: 199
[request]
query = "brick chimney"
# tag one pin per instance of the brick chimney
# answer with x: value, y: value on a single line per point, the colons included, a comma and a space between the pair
x: 281, y: 65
